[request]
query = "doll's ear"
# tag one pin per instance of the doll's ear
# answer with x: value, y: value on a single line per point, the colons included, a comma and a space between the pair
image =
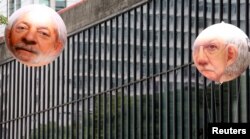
x: 57, y: 48
x: 232, y: 54
x: 7, y: 37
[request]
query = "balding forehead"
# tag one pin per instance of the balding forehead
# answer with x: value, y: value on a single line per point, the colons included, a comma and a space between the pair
x: 222, y: 30
x: 208, y: 39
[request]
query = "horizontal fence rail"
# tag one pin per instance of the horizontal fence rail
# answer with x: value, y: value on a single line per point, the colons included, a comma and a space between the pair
x: 130, y: 76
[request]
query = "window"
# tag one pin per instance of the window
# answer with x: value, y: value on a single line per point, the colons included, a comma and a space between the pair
x: 60, y: 4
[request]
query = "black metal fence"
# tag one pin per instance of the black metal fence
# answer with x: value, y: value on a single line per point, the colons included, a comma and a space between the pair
x: 128, y: 77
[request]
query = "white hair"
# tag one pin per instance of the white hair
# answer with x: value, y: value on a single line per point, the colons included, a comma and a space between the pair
x: 234, y: 35
x: 60, y: 26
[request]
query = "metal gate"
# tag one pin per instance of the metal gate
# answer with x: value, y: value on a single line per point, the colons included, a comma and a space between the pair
x: 130, y: 76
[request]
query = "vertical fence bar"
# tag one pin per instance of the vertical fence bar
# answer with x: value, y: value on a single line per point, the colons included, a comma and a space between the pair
x: 182, y: 72
x: 116, y: 75
x: 229, y: 11
x: 12, y: 106
x: 153, y: 68
x: 73, y: 54
x: 46, y: 99
x: 221, y: 106
x: 147, y: 73
x: 42, y: 101
x: 3, y: 94
x: 88, y: 84
x: 78, y: 85
x: 3, y: 97
x: 99, y: 79
x: 3, y: 113
x: 23, y: 104
x: 26, y: 101
x: 247, y: 71
x: 110, y: 70
x: 161, y: 70
x: 122, y: 77
x: 30, y: 99
x: 47, y: 125
x: 212, y: 11
x: 40, y: 92
x: 94, y: 81
x: 135, y: 74
x: 43, y: 87
x: 68, y: 87
x: 230, y: 102
x: 5, y: 100
x: 1, y: 102
x: 167, y: 68
x: 213, y: 106
x: 18, y: 100
x: 83, y: 84
x: 7, y: 103
x: 10, y: 98
x: 35, y: 123
x: 105, y: 81
x: 128, y: 71
x: 175, y: 129
x: 3, y: 125
x: 205, y: 109
x: 110, y: 76
x: 21, y: 82
x: 58, y: 92
x: 190, y: 127
x: 53, y: 92
x: 238, y: 91
x: 221, y: 10
x: 63, y: 91
x: 141, y: 74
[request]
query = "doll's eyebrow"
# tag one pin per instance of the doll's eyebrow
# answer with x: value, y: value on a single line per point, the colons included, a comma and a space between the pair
x: 43, y: 27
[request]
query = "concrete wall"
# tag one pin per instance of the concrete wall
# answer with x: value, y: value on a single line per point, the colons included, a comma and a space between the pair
x: 5, y: 55
x: 93, y: 11
x: 82, y: 15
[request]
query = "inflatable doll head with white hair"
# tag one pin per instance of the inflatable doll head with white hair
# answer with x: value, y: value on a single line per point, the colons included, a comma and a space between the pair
x: 35, y: 35
x: 221, y: 52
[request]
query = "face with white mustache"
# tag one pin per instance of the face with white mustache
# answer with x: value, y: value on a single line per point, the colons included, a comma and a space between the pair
x: 216, y: 52
x: 211, y: 57
x: 33, y: 39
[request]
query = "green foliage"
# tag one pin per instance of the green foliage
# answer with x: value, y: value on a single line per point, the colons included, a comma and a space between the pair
x: 3, y: 20
x: 50, y: 131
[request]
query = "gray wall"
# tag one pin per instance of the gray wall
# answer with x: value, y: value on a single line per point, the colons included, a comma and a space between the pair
x: 5, y: 56
x: 95, y: 11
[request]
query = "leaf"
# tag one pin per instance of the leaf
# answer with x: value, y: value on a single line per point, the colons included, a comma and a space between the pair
x: 3, y: 20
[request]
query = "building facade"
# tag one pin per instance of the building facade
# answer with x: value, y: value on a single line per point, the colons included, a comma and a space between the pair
x: 127, y: 74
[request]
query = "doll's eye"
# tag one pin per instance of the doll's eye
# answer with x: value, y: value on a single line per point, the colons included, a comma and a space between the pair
x: 211, y: 48
x: 21, y: 27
